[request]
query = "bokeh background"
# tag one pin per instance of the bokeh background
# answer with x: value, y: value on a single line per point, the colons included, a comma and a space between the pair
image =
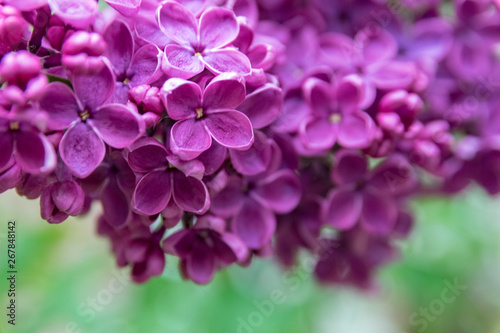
x: 68, y: 282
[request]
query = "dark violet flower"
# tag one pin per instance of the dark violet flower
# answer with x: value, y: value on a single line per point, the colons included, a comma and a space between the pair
x: 200, y: 44
x: 89, y: 120
x: 131, y: 67
x: 207, y: 114
x: 60, y: 200
x: 205, y: 248
x: 366, y: 196
x: 252, y: 204
x: 335, y: 115
x: 23, y: 142
x: 166, y: 178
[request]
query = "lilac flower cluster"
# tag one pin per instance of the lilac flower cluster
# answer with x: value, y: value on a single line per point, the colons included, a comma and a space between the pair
x: 222, y: 130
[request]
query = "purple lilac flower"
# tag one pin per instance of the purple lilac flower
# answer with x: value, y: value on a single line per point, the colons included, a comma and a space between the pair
x: 89, y: 119
x: 166, y: 178
x: 207, y: 114
x: 200, y: 44
x: 205, y: 248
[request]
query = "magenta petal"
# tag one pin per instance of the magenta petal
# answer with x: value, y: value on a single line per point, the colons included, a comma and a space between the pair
x: 392, y: 74
x: 77, y: 13
x: 152, y: 193
x: 177, y: 23
x: 149, y: 31
x: 34, y: 153
x: 338, y: 49
x: 318, y: 134
x: 228, y: 201
x: 61, y: 105
x: 393, y: 176
x: 120, y: 46
x: 254, y: 160
x: 350, y: 167
x: 117, y: 125
x: 356, y: 130
x: 319, y: 95
x: 254, y: 224
x: 281, y: 191
x: 213, y: 158
x: 125, y: 7
x: 115, y: 204
x: 81, y: 149
x: 201, y: 264
x: 146, y: 154
x: 181, y: 98
x: 178, y: 61
x: 377, y: 44
x: 190, y: 194
x: 218, y: 27
x: 10, y: 176
x: 342, y: 209
x: 236, y: 244
x: 226, y: 91
x: 226, y: 60
x: 94, y: 90
x: 6, y: 149
x: 232, y: 129
x: 145, y: 65
x: 379, y: 214
x: 189, y: 138
x: 263, y: 106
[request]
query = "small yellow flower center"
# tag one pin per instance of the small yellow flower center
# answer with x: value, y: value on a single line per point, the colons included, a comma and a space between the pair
x: 14, y: 126
x: 84, y: 115
x: 127, y: 80
x: 197, y: 54
x: 199, y: 113
x: 335, y: 118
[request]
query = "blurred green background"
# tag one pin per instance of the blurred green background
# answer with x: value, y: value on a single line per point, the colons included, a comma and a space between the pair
x: 68, y: 283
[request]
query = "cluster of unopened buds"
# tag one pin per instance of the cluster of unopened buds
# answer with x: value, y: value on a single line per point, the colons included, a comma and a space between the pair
x: 219, y: 131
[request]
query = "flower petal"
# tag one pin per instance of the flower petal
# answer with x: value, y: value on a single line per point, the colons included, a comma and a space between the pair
x: 229, y: 201
x: 115, y: 204
x: 356, y: 130
x: 6, y: 149
x: 145, y: 65
x: 379, y: 213
x: 281, y: 191
x: 152, y: 193
x: 263, y: 106
x: 226, y: 91
x: 181, y: 98
x: 96, y: 89
x: 254, y: 160
x: 61, y: 105
x: 181, y: 62
x: 81, y: 149
x: 125, y: 7
x: 232, y: 129
x: 117, y: 125
x: 318, y: 134
x: 200, y: 266
x: 218, y: 27
x: 147, y: 154
x: 342, y: 209
x: 226, y: 60
x: 254, y: 224
x: 189, y: 138
x: 34, y: 153
x: 149, y: 31
x: 177, y: 23
x: 120, y: 46
x: 350, y: 167
x: 77, y: 13
x: 190, y: 194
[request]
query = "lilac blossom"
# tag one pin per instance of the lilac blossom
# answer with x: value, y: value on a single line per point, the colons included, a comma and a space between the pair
x: 200, y: 44
x: 207, y: 114
x: 221, y: 132
x: 89, y: 119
